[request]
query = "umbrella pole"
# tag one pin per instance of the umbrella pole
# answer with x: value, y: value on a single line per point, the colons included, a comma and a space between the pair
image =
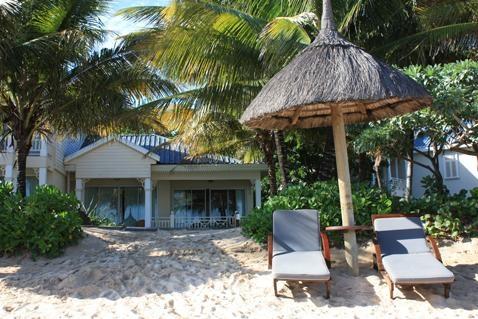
x: 345, y: 189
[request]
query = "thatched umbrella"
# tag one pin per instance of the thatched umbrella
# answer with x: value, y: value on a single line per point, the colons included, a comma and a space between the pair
x: 332, y: 83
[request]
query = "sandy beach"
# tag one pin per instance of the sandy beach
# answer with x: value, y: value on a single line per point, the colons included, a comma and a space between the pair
x: 213, y: 274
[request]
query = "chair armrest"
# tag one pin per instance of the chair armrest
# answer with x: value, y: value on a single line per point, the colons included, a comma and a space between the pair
x: 269, y: 251
x: 326, y: 248
x: 378, y: 255
x: 434, y: 246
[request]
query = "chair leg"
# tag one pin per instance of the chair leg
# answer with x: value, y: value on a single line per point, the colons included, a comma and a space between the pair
x: 447, y: 290
x: 327, y: 289
x: 275, y: 287
x: 390, y: 289
x: 374, y: 262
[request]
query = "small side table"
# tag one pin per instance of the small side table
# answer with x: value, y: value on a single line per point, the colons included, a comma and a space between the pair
x: 355, y: 228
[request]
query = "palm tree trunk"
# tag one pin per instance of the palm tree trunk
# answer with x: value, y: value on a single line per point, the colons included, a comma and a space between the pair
x: 327, y: 169
x: 364, y: 167
x: 23, y: 148
x: 282, y: 157
x: 376, y: 169
x: 267, y: 145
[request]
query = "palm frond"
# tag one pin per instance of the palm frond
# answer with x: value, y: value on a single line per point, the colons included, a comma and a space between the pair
x: 438, y: 38
x: 284, y: 37
x: 149, y: 14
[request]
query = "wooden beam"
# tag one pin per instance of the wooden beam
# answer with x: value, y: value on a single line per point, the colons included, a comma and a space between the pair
x: 345, y: 189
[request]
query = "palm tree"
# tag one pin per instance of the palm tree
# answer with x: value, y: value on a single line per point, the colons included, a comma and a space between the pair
x: 51, y: 79
x: 227, y: 50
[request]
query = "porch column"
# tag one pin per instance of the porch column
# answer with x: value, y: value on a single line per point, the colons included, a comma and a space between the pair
x: 258, y: 189
x: 42, y: 176
x: 80, y: 190
x: 43, y: 148
x: 147, y: 202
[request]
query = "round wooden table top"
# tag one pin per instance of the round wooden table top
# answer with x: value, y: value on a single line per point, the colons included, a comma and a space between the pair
x: 355, y: 228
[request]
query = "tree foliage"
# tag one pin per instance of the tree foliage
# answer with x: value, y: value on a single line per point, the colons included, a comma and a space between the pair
x: 225, y: 51
x: 52, y: 79
x: 450, y: 124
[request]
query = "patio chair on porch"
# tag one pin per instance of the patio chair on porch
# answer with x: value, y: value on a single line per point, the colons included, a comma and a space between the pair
x: 402, y: 255
x: 297, y: 250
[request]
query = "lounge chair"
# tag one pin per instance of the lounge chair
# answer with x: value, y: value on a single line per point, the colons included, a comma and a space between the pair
x: 402, y: 255
x: 297, y: 250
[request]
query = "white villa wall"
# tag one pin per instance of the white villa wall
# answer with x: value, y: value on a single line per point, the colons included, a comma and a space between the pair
x: 112, y: 159
x: 57, y: 179
x: 467, y: 174
x: 164, y: 198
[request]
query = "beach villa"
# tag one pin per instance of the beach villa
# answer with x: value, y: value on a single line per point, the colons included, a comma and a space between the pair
x: 459, y: 170
x: 142, y: 180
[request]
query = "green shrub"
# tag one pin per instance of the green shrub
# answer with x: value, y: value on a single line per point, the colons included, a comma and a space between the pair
x: 323, y: 196
x: 53, y: 221
x: 446, y: 215
x: 12, y: 220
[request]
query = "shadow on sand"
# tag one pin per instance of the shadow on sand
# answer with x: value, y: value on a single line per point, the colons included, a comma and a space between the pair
x: 117, y: 264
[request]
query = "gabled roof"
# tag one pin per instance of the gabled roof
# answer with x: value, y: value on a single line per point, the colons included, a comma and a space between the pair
x: 88, y: 148
x: 174, y: 153
x: 151, y: 144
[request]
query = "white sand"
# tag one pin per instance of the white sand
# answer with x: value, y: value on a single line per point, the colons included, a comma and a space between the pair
x: 212, y: 274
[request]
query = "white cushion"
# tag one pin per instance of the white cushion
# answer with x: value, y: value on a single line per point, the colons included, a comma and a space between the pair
x: 299, y: 265
x: 421, y: 268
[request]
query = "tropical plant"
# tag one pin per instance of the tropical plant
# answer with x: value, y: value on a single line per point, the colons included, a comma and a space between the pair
x: 53, y: 221
x: 226, y: 50
x: 450, y: 124
x: 445, y: 215
x: 323, y: 196
x: 12, y: 222
x: 52, y: 80
x: 43, y: 224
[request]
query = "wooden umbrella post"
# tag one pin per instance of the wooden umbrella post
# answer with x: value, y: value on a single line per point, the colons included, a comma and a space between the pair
x: 345, y: 189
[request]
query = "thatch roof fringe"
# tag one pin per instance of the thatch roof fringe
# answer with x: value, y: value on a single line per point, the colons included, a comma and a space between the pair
x: 332, y: 72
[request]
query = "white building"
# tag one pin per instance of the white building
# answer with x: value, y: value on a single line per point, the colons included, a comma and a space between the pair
x: 459, y: 171
x: 142, y: 181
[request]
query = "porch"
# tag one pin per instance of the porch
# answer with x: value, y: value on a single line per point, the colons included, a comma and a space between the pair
x: 169, y: 204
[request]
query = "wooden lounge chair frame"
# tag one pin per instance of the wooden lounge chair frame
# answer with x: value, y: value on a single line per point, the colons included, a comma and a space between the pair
x: 377, y: 256
x: 324, y: 239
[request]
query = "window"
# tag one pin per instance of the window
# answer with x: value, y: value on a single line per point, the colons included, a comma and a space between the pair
x: 189, y: 203
x: 398, y: 169
x: 451, y: 166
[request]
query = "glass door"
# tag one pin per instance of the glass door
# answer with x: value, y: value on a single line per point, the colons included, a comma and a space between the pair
x: 219, y: 203
x: 120, y: 205
x: 104, y: 201
x: 133, y: 206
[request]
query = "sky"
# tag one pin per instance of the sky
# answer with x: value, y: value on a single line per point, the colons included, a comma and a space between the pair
x: 118, y: 25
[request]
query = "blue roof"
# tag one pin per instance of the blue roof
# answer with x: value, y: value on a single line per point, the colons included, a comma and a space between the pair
x: 168, y: 153
x: 422, y: 142
x: 72, y: 145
